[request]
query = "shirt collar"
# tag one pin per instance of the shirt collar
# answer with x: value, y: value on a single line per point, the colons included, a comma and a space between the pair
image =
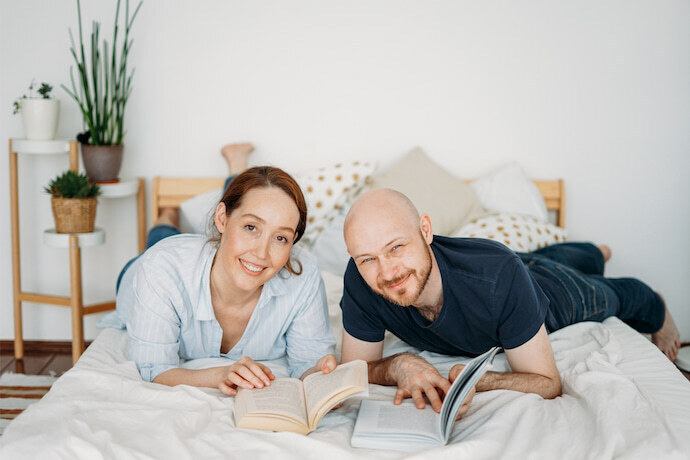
x: 276, y: 286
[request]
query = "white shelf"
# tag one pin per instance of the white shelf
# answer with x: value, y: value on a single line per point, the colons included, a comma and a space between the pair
x: 120, y: 189
x: 56, y: 146
x: 61, y: 240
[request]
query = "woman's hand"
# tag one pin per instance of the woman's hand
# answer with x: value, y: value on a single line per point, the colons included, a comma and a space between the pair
x: 326, y: 365
x: 244, y: 373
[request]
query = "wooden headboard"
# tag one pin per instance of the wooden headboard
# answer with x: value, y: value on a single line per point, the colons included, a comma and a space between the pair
x: 170, y: 192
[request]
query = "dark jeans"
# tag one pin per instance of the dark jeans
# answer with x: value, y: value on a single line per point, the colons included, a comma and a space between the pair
x: 157, y: 233
x: 571, y: 275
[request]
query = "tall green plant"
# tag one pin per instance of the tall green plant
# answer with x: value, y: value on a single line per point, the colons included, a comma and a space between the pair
x: 104, y: 87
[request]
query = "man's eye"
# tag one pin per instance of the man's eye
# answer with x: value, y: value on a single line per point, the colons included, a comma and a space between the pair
x: 282, y: 239
x: 368, y: 259
x: 250, y: 227
x: 397, y: 246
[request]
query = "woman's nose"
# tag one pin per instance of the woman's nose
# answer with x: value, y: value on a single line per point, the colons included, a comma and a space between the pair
x: 262, y: 247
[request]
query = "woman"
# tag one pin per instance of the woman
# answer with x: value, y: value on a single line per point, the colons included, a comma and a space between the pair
x: 239, y: 295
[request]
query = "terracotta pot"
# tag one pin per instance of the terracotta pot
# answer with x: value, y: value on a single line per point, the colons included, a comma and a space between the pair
x: 74, y: 215
x: 102, y: 162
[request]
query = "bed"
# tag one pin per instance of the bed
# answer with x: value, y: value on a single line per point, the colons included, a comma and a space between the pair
x: 621, y: 398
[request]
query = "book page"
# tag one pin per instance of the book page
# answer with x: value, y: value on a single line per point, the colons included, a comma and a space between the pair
x: 283, y: 396
x: 406, y: 421
x: 461, y: 387
x: 322, y: 391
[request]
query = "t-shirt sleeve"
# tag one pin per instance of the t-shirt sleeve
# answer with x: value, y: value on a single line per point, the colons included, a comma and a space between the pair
x: 358, y: 306
x: 524, y: 305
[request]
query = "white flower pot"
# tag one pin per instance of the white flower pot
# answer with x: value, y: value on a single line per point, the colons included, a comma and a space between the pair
x: 40, y: 118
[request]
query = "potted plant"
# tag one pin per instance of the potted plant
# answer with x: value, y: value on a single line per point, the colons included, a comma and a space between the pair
x: 39, y: 114
x: 73, y: 202
x: 102, y: 89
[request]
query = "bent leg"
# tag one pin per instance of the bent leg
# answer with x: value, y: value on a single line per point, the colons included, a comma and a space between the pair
x: 584, y: 257
x: 640, y: 307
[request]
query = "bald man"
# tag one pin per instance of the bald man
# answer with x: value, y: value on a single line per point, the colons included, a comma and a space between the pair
x: 462, y: 296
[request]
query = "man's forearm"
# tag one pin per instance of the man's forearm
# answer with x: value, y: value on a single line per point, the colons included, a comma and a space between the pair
x: 546, y: 387
x: 381, y: 372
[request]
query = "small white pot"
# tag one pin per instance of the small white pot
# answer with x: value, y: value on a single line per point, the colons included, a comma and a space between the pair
x: 40, y: 118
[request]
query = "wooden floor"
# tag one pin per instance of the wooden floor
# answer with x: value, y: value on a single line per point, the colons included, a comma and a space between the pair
x: 40, y: 358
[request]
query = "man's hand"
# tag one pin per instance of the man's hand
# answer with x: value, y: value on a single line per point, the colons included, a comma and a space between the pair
x: 452, y: 375
x: 244, y: 373
x: 326, y: 364
x: 415, y: 378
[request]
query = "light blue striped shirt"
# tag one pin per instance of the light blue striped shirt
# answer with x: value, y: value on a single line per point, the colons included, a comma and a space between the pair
x: 164, y: 301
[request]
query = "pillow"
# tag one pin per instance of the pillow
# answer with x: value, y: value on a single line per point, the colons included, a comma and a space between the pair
x: 433, y: 190
x: 329, y: 246
x: 196, y: 212
x: 519, y: 232
x: 510, y: 190
x: 326, y: 191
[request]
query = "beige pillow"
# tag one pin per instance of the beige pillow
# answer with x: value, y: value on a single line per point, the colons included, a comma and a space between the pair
x: 433, y: 190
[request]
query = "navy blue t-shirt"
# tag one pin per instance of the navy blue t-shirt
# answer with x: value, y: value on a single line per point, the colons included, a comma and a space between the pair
x: 489, y: 299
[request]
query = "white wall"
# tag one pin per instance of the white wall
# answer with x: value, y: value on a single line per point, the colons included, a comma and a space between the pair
x: 595, y: 92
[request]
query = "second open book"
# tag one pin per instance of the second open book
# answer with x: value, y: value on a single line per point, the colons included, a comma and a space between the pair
x: 294, y: 405
x: 383, y: 425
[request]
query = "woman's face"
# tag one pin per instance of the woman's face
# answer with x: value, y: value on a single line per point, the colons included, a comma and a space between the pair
x: 256, y: 238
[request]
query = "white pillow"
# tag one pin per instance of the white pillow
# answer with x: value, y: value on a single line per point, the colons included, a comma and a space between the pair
x: 510, y: 190
x: 329, y: 246
x: 196, y: 212
x: 519, y: 232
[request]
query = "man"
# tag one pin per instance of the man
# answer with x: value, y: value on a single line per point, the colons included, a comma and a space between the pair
x: 461, y: 296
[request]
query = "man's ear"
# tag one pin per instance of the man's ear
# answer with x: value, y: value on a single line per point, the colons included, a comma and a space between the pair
x: 425, y: 227
x: 220, y: 217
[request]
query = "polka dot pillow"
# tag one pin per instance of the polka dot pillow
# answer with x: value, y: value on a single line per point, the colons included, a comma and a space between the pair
x: 519, y: 232
x: 327, y: 190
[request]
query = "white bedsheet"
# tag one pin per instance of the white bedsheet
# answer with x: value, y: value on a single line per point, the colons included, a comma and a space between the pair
x: 621, y: 398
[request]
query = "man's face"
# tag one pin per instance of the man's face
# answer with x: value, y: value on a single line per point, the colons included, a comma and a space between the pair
x: 392, y: 256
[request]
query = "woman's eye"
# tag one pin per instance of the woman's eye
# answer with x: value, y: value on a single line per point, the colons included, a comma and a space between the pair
x: 250, y: 227
x: 397, y: 246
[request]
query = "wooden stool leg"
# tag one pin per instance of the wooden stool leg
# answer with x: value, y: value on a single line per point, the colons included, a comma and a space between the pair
x: 76, y: 298
x: 141, y: 215
x: 16, y: 272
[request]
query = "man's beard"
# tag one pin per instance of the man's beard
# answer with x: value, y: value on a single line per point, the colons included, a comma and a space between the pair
x: 418, y: 279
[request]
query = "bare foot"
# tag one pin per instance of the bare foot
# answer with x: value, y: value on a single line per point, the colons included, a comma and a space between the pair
x: 605, y: 251
x: 169, y: 216
x: 236, y: 155
x: 667, y: 339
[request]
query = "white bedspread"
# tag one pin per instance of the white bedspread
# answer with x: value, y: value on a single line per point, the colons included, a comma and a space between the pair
x: 621, y: 398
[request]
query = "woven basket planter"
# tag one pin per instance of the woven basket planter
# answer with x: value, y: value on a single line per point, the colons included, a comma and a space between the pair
x: 74, y: 215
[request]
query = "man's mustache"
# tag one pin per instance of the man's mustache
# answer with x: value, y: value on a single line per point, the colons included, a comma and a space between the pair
x: 383, y: 284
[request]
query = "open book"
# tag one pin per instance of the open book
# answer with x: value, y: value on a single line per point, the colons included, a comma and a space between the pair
x: 294, y: 405
x: 383, y: 425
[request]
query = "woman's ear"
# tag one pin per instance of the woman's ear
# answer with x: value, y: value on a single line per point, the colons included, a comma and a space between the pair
x: 220, y: 217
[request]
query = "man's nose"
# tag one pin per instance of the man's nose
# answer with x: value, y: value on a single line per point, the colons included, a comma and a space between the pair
x: 387, y: 268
